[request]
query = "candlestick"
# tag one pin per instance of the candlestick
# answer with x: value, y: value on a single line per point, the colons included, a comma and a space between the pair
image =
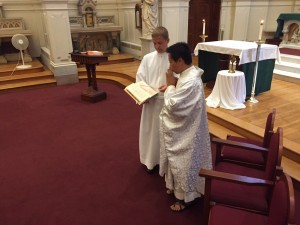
x: 203, y: 36
x: 252, y: 98
x: 203, y: 31
x: 260, y: 30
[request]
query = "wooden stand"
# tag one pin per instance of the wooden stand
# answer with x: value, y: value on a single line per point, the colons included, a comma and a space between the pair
x: 92, y: 94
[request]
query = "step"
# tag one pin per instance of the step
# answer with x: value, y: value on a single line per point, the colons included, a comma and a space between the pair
x: 114, y: 59
x: 235, y: 126
x: 121, y: 60
x: 288, y: 66
x: 25, y: 77
x: 82, y: 72
x: 290, y: 58
x: 289, y: 45
x: 27, y: 84
x: 220, y: 131
x: 286, y: 76
x: 10, y: 72
x: 291, y: 168
x: 121, y: 81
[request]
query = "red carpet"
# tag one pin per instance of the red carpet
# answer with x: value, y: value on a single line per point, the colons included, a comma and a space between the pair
x: 68, y: 162
x: 290, y: 51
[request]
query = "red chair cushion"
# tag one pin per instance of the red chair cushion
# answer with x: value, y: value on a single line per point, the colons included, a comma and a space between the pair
x: 228, y: 167
x: 221, y: 215
x: 241, y: 154
x: 240, y: 195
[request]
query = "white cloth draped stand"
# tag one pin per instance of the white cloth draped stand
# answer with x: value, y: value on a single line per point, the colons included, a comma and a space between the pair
x: 229, y: 91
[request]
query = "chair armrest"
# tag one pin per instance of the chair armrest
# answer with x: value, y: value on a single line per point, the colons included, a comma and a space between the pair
x: 246, y: 146
x: 212, y: 174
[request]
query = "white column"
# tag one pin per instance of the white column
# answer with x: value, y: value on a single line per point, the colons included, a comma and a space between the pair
x: 240, y: 23
x: 59, y: 43
x: 174, y: 16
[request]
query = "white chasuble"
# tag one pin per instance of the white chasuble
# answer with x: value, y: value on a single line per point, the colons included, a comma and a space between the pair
x: 185, y: 141
x: 152, y: 70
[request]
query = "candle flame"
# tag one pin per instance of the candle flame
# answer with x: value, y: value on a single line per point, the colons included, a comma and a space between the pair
x: 261, y: 22
x: 203, y: 20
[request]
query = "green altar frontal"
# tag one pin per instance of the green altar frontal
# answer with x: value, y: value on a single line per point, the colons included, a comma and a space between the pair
x: 214, y: 56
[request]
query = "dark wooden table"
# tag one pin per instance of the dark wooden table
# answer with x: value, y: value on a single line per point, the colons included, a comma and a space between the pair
x: 92, y: 93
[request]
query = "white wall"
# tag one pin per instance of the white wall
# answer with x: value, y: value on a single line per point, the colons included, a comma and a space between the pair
x: 31, y: 14
x: 275, y: 8
x: 240, y: 19
x: 175, y: 18
x: 130, y: 36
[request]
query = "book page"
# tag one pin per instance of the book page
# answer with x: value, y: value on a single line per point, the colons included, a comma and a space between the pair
x: 140, y: 91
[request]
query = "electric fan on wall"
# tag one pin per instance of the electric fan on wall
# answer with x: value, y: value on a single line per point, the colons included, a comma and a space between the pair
x: 20, y: 42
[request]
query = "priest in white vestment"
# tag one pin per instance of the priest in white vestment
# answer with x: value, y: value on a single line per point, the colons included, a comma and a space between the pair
x: 153, y: 70
x: 185, y: 140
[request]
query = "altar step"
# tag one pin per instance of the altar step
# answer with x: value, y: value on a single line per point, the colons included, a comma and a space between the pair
x: 38, y: 75
x: 289, y: 68
x: 27, y: 80
x: 12, y: 79
x: 123, y: 74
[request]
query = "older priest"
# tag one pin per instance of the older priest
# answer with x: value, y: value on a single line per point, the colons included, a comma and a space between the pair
x: 185, y: 141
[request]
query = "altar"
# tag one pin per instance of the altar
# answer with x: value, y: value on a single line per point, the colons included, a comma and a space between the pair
x: 210, y: 53
x: 90, y: 32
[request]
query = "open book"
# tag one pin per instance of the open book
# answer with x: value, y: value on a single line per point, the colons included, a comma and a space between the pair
x: 140, y: 92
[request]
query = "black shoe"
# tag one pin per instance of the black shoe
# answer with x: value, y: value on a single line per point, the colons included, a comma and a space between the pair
x: 150, y: 171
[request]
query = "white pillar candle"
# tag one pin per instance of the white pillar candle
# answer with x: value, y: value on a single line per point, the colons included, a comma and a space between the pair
x: 260, y: 30
x: 203, y: 31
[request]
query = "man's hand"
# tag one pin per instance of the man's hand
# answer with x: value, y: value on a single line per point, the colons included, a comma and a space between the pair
x: 163, y: 88
x: 171, y: 80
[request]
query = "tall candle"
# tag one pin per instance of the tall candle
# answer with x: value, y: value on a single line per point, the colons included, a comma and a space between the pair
x: 260, y: 30
x: 203, y: 31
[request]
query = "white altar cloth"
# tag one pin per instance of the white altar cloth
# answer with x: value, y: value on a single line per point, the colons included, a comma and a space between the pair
x: 245, y: 50
x: 229, y: 91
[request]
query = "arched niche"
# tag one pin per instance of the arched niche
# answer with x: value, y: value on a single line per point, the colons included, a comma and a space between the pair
x: 87, y: 9
x: 291, y: 31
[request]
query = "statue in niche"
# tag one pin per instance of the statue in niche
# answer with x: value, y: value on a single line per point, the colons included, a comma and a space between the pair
x: 295, y: 36
x: 86, y: 43
x: 102, y: 43
x: 149, y: 16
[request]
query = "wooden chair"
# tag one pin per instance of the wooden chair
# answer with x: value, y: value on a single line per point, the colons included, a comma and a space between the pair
x: 281, y: 211
x: 255, y: 198
x: 254, y: 158
x: 272, y: 156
